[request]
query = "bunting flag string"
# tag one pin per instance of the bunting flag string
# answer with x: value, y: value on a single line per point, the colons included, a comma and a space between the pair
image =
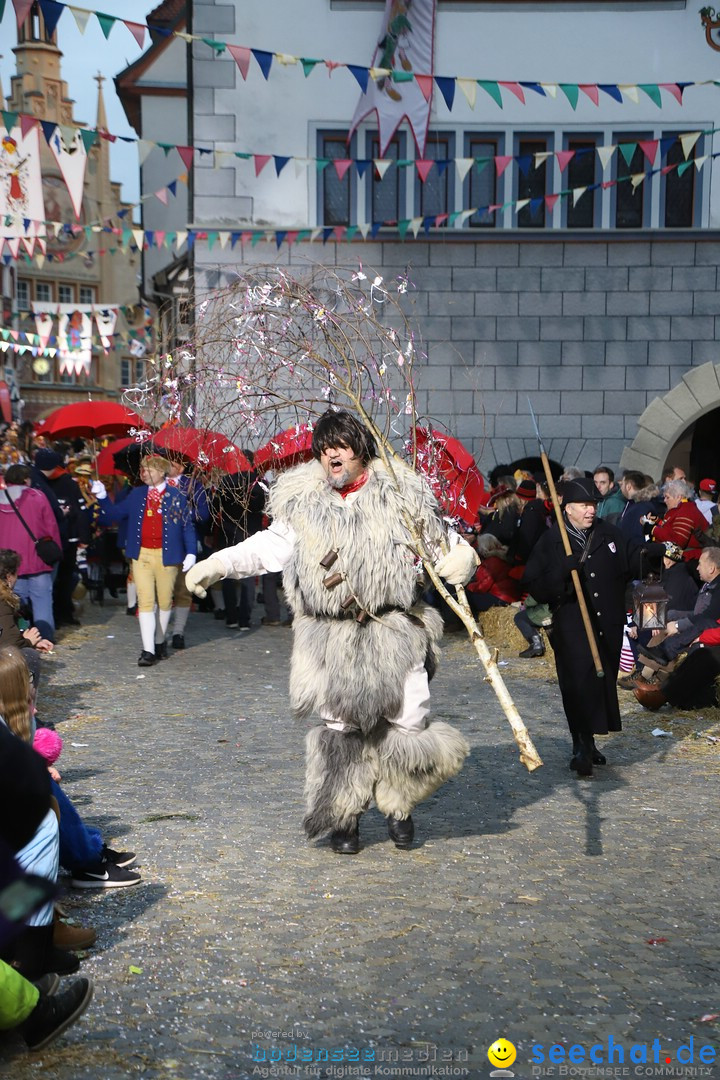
x: 135, y: 239
x: 424, y: 167
x: 496, y: 89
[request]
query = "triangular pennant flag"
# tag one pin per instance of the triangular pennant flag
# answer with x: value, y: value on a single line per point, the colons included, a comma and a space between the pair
x: 364, y: 228
x: 261, y: 161
x: 524, y: 163
x: 536, y: 205
x: 264, y: 60
x: 612, y: 90
x: 699, y: 162
x: 653, y: 92
x: 402, y: 227
x: 591, y: 90
x: 415, y: 224
x: 150, y: 237
x: 360, y: 74
x: 144, y: 149
x: 682, y: 167
x: 48, y: 128
x: 9, y: 120
x: 469, y: 89
x: 349, y: 233
x: 577, y: 194
x: 362, y: 167
x: 280, y: 163
x: 423, y: 168
x: 106, y: 22
x: 27, y: 123
x: 241, y: 56
x: 300, y: 165
x: 22, y: 7
x: 649, y: 148
x: 665, y: 144
x: 563, y: 157
x: 72, y: 162
x: 211, y: 238
x: 441, y: 166
x: 341, y: 166
x: 160, y: 235
x: 630, y: 91
x: 162, y: 195
x: 321, y: 163
x: 688, y: 141
x: 516, y: 89
x: 425, y: 82
x: 551, y: 89
x: 627, y: 150
x: 327, y: 233
x: 139, y: 238
x: 224, y: 236
x: 540, y: 158
x: 217, y: 46
x: 67, y: 134
x: 279, y: 237
x: 636, y: 180
x: 447, y: 89
x: 521, y: 204
x: 571, y: 92
x: 501, y: 163
x: 137, y: 30
x: 172, y: 187
x: 180, y: 239
x: 89, y: 138
x: 605, y: 154
x: 550, y: 201
x: 51, y: 12
x: 673, y: 88
x: 463, y: 166
x: 339, y: 232
x: 481, y: 162
x: 381, y: 166
x: 186, y: 155
x: 492, y: 89
x: 537, y: 87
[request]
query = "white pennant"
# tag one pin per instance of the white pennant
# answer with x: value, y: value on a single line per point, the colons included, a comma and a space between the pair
x: 72, y: 164
x: 315, y: 234
x: 144, y: 148
x: 180, y: 240
x: 541, y: 157
x: 463, y: 166
x: 630, y: 91
x: 577, y: 194
x: 550, y: 88
x: 699, y: 162
x: 139, y: 237
x: 605, y: 154
x: 382, y: 165
x: 415, y: 224
x: 223, y: 237
x: 364, y: 229
x: 81, y: 18
x: 301, y: 165
x: 688, y: 141
x: 636, y: 180
x: 469, y: 89
x: 520, y: 204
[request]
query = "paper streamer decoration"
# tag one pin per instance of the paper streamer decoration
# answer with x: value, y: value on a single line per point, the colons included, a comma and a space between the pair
x: 21, y: 186
x: 406, y: 47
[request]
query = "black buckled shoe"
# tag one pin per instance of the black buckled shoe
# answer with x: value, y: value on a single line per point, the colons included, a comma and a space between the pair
x: 581, y: 761
x: 147, y: 659
x: 346, y: 841
x: 178, y: 641
x: 401, y: 831
x: 161, y: 650
x: 598, y: 758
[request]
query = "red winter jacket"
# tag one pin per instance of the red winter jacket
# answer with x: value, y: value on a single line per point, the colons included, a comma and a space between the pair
x: 493, y: 576
x: 711, y: 636
x: 678, y: 526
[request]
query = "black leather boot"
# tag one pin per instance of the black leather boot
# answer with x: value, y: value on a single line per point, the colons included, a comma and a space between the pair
x: 581, y: 761
x: 535, y: 648
x: 598, y: 758
x: 346, y: 841
x: 401, y: 831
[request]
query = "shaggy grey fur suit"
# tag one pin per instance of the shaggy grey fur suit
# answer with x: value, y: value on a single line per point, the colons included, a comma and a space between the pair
x: 354, y: 672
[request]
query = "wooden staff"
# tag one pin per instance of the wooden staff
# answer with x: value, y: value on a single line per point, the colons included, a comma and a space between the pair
x: 590, y: 633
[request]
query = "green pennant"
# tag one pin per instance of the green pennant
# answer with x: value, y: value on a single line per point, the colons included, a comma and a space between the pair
x: 2, y: 9
x: 350, y: 231
x: 212, y: 238
x: 89, y: 139
x: 218, y: 46
x: 402, y: 76
x: 402, y: 227
x: 452, y: 218
x: 167, y: 147
x: 126, y: 237
x: 242, y: 156
x: 481, y: 163
x: 571, y: 92
x: 684, y: 165
x: 308, y: 65
x: 627, y: 150
x: 404, y: 163
x: 106, y: 23
x: 304, y: 234
x: 9, y: 118
x: 88, y: 232
x: 256, y: 237
x: 653, y: 92
x: 492, y: 89
x: 321, y: 162
x: 170, y: 239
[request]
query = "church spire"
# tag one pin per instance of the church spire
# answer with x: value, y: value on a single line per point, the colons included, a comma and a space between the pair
x: 101, y: 123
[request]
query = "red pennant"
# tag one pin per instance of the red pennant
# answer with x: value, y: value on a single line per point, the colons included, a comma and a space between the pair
x: 27, y: 123
x: 674, y: 89
x: 514, y: 88
x: 107, y: 136
x: 137, y: 30
x: 291, y: 237
x: 423, y: 168
x: 339, y: 232
x: 550, y: 201
x: 441, y: 219
x: 501, y: 163
x: 666, y: 169
x: 186, y: 154
x: 241, y: 56
x: 332, y: 64
x: 591, y: 90
x: 425, y: 82
x: 341, y: 166
x: 494, y: 207
x: 608, y: 184
x: 22, y: 7
x: 261, y: 161
x: 649, y: 149
x: 563, y: 157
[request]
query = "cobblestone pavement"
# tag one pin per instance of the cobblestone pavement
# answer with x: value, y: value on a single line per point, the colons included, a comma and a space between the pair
x: 540, y: 908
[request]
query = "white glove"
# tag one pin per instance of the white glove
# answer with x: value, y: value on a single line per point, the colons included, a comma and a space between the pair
x: 98, y: 489
x: 459, y: 565
x: 188, y: 562
x: 203, y: 575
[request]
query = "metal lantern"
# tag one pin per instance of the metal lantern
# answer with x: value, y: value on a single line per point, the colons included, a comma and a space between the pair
x: 650, y: 603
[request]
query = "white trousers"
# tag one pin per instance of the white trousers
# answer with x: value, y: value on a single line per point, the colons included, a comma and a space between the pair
x: 415, y: 705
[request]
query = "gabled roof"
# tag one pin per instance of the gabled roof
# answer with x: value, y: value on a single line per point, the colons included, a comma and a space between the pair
x: 171, y: 15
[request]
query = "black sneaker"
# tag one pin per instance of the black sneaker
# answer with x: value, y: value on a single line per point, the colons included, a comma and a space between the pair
x: 48, y: 984
x: 104, y: 875
x: 146, y: 659
x: 161, y: 650
x: 53, y: 1014
x: 178, y: 641
x: 118, y: 858
x: 131, y: 610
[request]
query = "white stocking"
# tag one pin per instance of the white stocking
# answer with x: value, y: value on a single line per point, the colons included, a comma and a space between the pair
x: 131, y: 594
x: 147, y: 630
x: 164, y: 621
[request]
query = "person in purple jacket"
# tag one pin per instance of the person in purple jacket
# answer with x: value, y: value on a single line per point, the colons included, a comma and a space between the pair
x: 161, y: 540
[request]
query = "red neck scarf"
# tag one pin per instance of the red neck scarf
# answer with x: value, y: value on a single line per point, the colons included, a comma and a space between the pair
x: 355, y: 486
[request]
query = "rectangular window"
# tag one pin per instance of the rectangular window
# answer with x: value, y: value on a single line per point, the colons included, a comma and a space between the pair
x: 434, y: 195
x: 387, y: 193
x: 480, y: 185
x: 125, y: 372
x: 680, y: 188
x: 43, y: 292
x: 87, y: 294
x: 580, y: 173
x: 65, y: 294
x: 629, y: 198
x: 337, y: 193
x: 532, y: 178
x: 22, y: 294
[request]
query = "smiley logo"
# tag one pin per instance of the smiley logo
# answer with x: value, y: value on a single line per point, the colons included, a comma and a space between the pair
x: 502, y: 1053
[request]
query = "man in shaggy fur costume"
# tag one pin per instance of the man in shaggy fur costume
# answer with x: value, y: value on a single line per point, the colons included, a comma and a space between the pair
x: 364, y: 648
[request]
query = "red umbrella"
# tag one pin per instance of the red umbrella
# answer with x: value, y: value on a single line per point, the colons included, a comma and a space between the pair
x: 90, y: 420
x: 288, y: 448
x: 209, y: 449
x: 105, y: 463
x: 452, y: 474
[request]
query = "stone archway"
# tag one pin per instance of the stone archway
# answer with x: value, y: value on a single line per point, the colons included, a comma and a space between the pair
x: 667, y: 417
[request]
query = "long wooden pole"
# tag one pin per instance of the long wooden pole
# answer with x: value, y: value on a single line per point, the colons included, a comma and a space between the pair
x: 574, y: 574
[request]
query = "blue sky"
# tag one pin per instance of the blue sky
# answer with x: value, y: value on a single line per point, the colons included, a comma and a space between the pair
x: 84, y: 55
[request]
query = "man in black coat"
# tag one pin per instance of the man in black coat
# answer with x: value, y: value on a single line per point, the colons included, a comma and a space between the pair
x: 605, y: 562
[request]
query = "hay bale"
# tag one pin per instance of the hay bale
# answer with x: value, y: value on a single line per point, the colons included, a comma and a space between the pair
x: 500, y: 630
